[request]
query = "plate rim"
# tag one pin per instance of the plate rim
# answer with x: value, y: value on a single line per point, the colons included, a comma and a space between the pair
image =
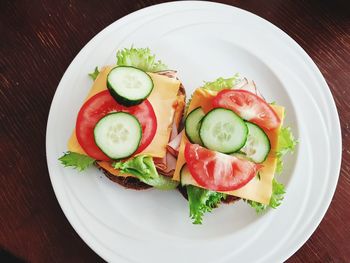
x: 311, y: 63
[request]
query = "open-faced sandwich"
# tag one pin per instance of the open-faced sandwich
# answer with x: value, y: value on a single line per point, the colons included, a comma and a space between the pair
x: 231, y: 148
x: 131, y: 114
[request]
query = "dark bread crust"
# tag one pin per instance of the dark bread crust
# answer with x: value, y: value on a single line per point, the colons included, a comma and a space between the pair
x: 127, y: 182
x: 230, y: 199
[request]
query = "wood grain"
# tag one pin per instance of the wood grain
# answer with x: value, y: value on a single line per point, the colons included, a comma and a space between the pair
x: 38, y: 41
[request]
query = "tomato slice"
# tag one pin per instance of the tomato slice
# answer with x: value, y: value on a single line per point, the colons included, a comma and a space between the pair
x: 216, y: 171
x: 248, y: 106
x: 103, y: 103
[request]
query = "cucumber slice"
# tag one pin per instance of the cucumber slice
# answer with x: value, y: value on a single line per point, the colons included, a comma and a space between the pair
x: 192, y: 125
x: 118, y: 135
x: 258, y: 144
x: 128, y: 85
x: 223, y: 130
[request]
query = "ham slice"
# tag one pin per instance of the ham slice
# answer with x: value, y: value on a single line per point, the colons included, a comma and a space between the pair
x: 241, y: 84
x: 169, y: 73
x: 174, y: 131
x: 160, y: 163
x: 171, y: 163
x: 248, y: 85
x: 174, y: 144
x: 166, y: 165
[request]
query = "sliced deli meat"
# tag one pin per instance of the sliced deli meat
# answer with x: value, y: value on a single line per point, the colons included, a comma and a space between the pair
x: 174, y: 145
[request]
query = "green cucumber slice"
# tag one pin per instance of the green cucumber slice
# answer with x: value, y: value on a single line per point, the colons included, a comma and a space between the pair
x: 128, y: 85
x: 118, y: 135
x: 223, y: 130
x: 258, y: 144
x: 192, y: 125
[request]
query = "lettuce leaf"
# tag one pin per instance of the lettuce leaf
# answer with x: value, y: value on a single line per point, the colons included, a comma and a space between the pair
x: 277, y: 196
x: 94, y: 74
x: 216, y: 86
x: 221, y: 83
x: 76, y: 160
x: 201, y: 201
x: 143, y: 168
x: 139, y: 58
x: 286, y: 144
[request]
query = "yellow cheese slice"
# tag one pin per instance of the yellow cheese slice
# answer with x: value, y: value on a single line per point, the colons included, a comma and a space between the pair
x: 256, y: 190
x: 163, y: 99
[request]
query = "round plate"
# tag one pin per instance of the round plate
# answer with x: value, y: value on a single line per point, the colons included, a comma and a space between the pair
x: 203, y: 41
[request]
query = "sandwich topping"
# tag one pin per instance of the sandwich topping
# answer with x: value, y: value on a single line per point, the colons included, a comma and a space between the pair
x: 126, y: 122
x: 103, y: 104
x: 216, y: 171
x: 231, y: 146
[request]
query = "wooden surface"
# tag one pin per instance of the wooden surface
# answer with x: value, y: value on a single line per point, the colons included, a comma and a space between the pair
x: 38, y: 41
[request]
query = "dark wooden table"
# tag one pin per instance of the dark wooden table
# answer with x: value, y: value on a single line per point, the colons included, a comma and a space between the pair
x: 38, y: 41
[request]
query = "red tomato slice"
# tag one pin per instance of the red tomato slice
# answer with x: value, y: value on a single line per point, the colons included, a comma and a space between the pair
x: 216, y: 171
x: 248, y: 106
x: 103, y: 103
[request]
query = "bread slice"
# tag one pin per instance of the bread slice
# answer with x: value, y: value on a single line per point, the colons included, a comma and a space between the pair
x: 166, y: 126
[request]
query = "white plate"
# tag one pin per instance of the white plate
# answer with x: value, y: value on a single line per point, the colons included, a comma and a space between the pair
x: 202, y: 40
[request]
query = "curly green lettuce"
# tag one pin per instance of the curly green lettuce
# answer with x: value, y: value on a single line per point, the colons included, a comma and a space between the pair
x: 276, y: 199
x: 143, y: 168
x: 222, y: 83
x: 76, y: 160
x: 94, y: 74
x: 201, y: 201
x: 286, y: 144
x: 140, y: 58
